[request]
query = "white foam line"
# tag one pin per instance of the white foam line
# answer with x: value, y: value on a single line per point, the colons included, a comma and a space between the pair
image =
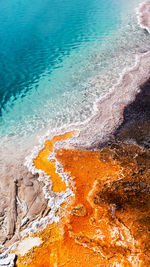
x: 100, y: 105
x: 80, y: 126
x: 55, y: 200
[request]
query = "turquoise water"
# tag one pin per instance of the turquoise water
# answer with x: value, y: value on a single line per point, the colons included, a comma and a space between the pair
x: 49, y: 51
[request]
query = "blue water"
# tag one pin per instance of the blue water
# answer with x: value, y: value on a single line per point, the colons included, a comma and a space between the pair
x: 45, y: 49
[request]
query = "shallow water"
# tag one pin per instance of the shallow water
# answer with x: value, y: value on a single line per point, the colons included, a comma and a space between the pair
x: 52, y: 51
x: 56, y: 61
x: 36, y: 36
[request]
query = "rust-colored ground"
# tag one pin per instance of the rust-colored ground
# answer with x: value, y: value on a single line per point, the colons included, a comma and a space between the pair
x: 108, y: 221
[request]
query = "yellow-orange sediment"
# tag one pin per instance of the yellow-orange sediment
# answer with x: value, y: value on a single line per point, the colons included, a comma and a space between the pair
x: 91, y: 232
x: 42, y: 162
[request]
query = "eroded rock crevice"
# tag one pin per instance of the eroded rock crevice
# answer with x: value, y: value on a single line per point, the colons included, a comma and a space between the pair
x: 22, y: 201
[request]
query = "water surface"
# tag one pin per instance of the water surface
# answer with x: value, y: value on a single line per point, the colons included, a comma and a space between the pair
x: 57, y: 57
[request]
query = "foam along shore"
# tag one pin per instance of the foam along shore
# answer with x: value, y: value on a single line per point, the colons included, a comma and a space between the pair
x: 34, y: 201
x: 106, y: 220
x: 108, y: 112
x: 102, y: 221
x: 108, y: 115
x: 111, y: 190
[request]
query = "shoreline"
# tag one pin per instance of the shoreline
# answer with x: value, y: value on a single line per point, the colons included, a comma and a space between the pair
x: 140, y: 70
x: 108, y: 111
x: 143, y: 15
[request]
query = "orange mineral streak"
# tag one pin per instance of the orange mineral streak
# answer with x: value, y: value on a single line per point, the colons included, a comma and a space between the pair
x: 100, y: 224
x: 61, y: 243
x: 42, y: 162
x: 85, y: 168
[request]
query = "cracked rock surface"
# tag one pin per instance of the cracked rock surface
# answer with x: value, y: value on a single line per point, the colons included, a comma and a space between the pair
x: 22, y: 201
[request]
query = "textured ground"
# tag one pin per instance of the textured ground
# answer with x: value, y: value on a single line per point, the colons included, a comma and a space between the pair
x: 22, y: 200
x: 108, y: 220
